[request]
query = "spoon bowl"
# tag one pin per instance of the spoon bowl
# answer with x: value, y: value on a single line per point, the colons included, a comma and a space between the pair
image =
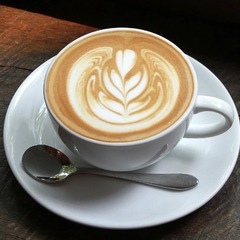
x: 49, y: 165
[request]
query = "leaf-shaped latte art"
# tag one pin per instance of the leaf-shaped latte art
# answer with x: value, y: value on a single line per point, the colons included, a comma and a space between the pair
x: 125, y: 61
x: 122, y: 87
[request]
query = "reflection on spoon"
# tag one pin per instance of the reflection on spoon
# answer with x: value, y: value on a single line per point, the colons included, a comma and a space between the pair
x: 49, y: 165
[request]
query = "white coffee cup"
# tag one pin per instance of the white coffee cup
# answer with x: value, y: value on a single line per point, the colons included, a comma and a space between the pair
x: 135, y: 154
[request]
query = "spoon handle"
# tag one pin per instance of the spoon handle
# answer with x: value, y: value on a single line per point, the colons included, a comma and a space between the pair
x: 172, y: 181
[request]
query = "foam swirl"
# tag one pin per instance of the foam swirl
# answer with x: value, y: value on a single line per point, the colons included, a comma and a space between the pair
x: 119, y: 88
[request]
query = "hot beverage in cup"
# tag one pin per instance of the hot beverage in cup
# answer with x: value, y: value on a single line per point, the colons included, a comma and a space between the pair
x: 119, y: 86
x: 122, y: 98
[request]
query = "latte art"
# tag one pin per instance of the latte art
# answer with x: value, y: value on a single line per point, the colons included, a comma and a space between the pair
x: 119, y: 86
x: 119, y: 91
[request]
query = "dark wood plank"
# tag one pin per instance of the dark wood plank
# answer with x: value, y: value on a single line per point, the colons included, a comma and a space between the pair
x: 28, y: 39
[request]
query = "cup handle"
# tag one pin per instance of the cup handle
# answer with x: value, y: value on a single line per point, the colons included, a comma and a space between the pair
x: 206, y: 103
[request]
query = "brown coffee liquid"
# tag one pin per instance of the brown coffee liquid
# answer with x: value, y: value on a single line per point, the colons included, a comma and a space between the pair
x: 119, y: 86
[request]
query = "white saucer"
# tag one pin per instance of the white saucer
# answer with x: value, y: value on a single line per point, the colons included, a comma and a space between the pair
x: 109, y: 203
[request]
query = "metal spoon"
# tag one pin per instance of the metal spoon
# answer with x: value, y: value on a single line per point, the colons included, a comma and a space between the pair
x: 49, y: 165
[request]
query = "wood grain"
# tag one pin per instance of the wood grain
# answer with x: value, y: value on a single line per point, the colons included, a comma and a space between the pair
x: 27, y: 40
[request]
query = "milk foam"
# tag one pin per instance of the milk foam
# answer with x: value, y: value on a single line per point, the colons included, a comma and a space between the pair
x: 119, y: 86
x: 114, y: 89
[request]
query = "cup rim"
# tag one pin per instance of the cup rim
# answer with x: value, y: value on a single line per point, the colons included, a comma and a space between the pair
x: 136, y: 142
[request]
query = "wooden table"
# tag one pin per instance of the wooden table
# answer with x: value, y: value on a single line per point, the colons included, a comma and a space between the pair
x: 27, y: 40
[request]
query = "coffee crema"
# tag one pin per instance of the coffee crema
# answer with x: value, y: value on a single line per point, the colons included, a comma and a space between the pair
x: 119, y: 86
